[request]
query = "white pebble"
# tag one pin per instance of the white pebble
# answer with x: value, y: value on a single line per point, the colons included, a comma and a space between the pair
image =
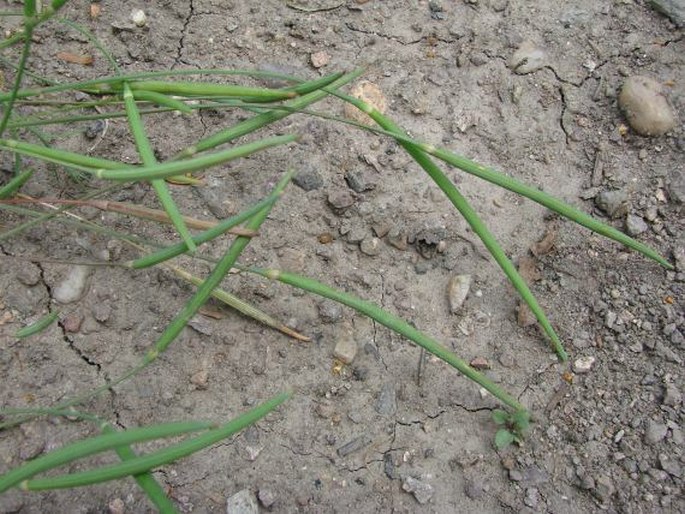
x: 583, y: 364
x: 139, y: 18
x: 457, y: 290
x: 73, y: 286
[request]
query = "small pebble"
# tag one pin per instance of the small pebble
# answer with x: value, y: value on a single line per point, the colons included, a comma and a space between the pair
x: 421, y: 490
x: 604, y: 488
x: 370, y: 246
x: 266, y: 497
x: 480, y: 363
x: 139, y: 18
x: 583, y: 364
x: 116, y: 506
x: 532, y: 497
x: 458, y: 289
x: 242, y: 502
x: 474, y: 489
x: 398, y: 238
x: 655, y: 432
x: 635, y: 225
x: 330, y: 311
x: 200, y: 379
x: 73, y: 286
x: 320, y: 59
x: 614, y: 203
x: 308, y: 179
x: 345, y: 348
x: 387, y: 400
x: 527, y: 58
x: 29, y: 274
x: 354, y: 445
x: 645, y: 106
x: 340, y: 200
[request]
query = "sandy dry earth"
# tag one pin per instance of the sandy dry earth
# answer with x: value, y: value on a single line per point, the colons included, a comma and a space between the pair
x: 356, y: 439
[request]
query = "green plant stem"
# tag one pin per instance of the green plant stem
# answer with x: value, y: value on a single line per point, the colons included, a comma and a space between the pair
x: 202, y: 294
x: 393, y: 323
x: 15, y: 184
x: 450, y: 190
x: 149, y: 159
x: 209, y: 234
x: 7, y: 111
x: 261, y: 120
x: 159, y: 458
x: 145, y: 479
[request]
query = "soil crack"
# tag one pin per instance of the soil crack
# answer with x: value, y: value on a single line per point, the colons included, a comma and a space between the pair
x: 181, y: 40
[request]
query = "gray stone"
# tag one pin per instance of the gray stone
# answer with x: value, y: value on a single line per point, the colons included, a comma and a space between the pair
x: 421, y: 490
x: 614, y: 203
x: 354, y: 445
x: 635, y: 225
x: 387, y: 400
x: 359, y: 182
x: 474, y: 489
x: 604, y: 488
x: 670, y: 465
x: 345, y: 347
x: 645, y: 106
x: 532, y: 497
x: 674, y: 9
x: 73, y: 286
x: 673, y: 396
x: 330, y: 311
x: 242, y: 502
x: 266, y: 497
x: 28, y: 274
x: 340, y: 199
x: 308, y: 180
x: 398, y: 238
x: 655, y: 432
x: 370, y: 246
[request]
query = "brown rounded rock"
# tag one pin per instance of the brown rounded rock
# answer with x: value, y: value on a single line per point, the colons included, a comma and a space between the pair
x: 645, y: 106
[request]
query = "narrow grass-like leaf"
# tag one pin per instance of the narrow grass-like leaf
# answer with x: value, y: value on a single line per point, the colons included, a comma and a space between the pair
x: 242, y: 306
x: 15, y: 184
x: 38, y: 326
x: 168, y: 169
x: 159, y: 458
x: 193, y: 89
x: 174, y: 328
x: 212, y: 233
x: 261, y: 120
x: 393, y: 323
x: 149, y: 159
x: 94, y: 445
x: 145, y: 480
x: 472, y: 218
x: 57, y: 156
x: 163, y: 100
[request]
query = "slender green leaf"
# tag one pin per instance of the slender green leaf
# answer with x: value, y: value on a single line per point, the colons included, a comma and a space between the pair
x: 38, y: 326
x: 97, y: 444
x: 149, y: 159
x: 159, y: 458
x: 393, y: 323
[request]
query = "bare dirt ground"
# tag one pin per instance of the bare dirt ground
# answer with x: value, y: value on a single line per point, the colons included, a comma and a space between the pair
x: 357, y: 439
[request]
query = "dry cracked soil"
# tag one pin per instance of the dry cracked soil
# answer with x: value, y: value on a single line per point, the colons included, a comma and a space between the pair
x: 394, y: 430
